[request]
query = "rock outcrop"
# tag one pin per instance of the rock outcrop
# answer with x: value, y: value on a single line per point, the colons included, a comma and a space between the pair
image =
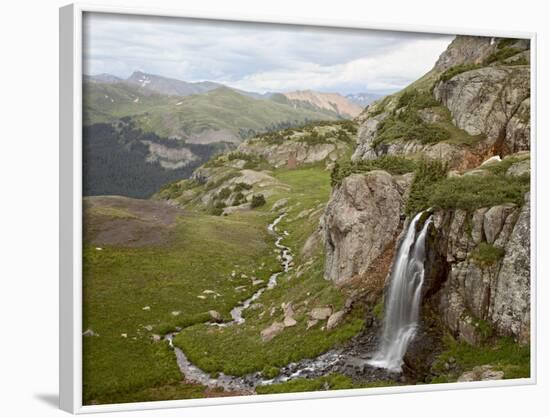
x: 484, y: 85
x: 302, y: 146
x: 361, y: 222
x: 476, y: 297
x: 278, y: 155
x: 490, y: 101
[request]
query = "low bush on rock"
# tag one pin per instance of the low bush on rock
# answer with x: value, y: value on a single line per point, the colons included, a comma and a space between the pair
x: 257, y: 200
x: 486, y: 255
x: 394, y: 164
x: 473, y: 192
x: 427, y: 174
x: 406, y: 124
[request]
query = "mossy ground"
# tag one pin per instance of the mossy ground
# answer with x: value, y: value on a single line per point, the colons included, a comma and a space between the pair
x: 503, y: 354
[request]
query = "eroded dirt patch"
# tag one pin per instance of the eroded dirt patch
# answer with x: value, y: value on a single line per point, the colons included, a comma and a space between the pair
x: 123, y: 221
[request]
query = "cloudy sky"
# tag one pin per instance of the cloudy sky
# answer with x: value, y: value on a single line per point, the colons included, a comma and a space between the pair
x: 258, y: 57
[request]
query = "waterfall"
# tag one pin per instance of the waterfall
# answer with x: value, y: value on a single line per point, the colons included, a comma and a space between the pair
x: 402, y: 304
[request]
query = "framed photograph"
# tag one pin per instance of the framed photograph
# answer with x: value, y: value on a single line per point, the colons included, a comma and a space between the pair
x: 256, y: 210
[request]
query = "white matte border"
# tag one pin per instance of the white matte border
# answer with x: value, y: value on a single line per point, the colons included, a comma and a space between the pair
x: 70, y: 203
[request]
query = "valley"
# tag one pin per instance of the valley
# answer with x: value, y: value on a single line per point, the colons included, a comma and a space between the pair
x: 245, y: 249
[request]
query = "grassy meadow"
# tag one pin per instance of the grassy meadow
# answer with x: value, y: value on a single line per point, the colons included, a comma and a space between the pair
x: 133, y: 295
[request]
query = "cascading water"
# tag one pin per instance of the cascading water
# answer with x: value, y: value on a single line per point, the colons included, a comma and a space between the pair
x: 402, y: 304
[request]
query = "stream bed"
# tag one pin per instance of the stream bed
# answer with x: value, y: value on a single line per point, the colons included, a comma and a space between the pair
x: 350, y: 360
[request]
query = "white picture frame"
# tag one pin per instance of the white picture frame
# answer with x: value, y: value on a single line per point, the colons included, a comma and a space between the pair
x: 70, y: 203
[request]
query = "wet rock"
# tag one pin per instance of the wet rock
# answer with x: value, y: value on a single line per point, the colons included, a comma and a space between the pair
x: 89, y: 333
x: 335, y: 319
x: 481, y: 373
x: 215, y: 316
x: 273, y: 330
x: 320, y: 313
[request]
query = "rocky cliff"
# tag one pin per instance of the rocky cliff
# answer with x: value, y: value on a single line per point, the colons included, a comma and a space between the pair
x: 471, y: 113
x: 474, y: 103
x: 478, y: 273
x: 361, y: 224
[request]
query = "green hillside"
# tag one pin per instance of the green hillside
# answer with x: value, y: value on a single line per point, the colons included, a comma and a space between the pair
x: 218, y: 115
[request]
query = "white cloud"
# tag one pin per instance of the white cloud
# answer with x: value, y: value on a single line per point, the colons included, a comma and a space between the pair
x: 258, y: 57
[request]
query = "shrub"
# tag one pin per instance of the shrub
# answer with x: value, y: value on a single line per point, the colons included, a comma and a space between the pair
x: 378, y: 310
x: 417, y: 99
x: 239, y: 155
x: 394, y: 164
x: 214, y: 184
x: 427, y: 173
x: 473, y: 192
x: 270, y: 372
x: 238, y: 199
x: 501, y: 54
x: 257, y: 200
x: 506, y: 42
x: 518, y: 61
x: 457, y: 69
x: 220, y: 204
x: 501, y: 167
x: 216, y: 211
x: 486, y: 255
x: 224, y: 193
x: 406, y: 124
x: 241, y: 186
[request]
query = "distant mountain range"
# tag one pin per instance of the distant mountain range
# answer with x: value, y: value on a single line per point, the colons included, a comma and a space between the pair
x: 172, y: 126
x: 204, y: 112
x: 328, y: 101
